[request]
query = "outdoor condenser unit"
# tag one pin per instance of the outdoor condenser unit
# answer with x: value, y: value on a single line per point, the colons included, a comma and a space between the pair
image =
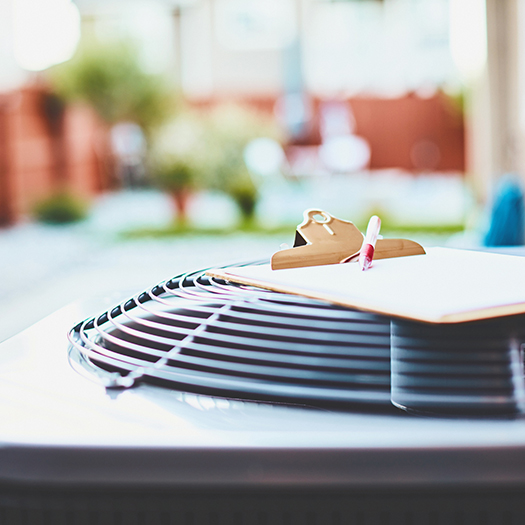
x: 204, y: 402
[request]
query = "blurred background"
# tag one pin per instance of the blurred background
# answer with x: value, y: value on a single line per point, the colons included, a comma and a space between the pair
x: 143, y: 138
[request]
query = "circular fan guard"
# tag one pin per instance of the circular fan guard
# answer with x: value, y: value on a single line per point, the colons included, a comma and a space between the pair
x: 200, y: 334
x: 205, y: 335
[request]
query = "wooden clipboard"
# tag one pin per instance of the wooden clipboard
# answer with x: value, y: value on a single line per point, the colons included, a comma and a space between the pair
x: 323, y: 239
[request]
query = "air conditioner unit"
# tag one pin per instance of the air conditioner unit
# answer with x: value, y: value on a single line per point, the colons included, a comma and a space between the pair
x: 204, y: 402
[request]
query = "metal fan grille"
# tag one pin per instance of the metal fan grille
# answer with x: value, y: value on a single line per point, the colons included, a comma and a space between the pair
x: 468, y: 368
x: 200, y: 334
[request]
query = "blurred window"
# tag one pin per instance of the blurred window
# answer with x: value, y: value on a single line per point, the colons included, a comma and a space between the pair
x: 45, y: 33
x: 255, y: 24
x: 384, y: 48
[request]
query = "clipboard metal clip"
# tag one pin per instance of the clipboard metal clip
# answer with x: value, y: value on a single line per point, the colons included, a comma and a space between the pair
x: 324, y: 239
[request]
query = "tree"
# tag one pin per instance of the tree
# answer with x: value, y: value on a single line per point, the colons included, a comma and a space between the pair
x: 110, y: 79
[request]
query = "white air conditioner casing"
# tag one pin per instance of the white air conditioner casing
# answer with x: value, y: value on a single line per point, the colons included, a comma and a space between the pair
x: 67, y: 443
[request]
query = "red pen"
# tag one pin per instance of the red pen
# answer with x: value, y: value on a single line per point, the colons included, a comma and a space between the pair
x: 366, y: 254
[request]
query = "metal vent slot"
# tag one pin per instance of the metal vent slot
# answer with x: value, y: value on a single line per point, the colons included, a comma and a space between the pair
x: 304, y: 361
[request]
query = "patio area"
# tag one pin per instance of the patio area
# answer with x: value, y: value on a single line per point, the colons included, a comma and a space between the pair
x: 46, y: 267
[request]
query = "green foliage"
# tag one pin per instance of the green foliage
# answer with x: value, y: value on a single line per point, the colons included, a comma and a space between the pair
x: 60, y: 208
x: 175, y: 174
x: 244, y: 192
x: 213, y: 145
x: 393, y: 227
x: 110, y: 79
x: 231, y: 127
x: 178, y: 160
x: 179, y: 230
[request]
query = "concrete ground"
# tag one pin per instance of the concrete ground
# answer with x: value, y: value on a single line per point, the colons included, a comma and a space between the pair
x: 45, y: 268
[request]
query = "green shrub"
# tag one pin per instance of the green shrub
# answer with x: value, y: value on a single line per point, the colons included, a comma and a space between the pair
x: 245, y: 195
x: 212, y: 144
x: 61, y: 208
x: 111, y: 80
x: 176, y: 174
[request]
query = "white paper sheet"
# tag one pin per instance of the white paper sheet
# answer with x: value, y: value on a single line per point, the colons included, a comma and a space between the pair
x: 445, y: 285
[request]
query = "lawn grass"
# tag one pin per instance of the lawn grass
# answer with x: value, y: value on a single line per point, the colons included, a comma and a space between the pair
x: 387, y: 228
x: 181, y: 230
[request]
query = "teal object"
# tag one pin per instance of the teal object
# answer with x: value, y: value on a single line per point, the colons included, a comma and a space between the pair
x: 507, y: 223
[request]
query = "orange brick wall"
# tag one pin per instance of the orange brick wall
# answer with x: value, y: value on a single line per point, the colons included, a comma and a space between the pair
x: 393, y: 127
x: 34, y: 162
